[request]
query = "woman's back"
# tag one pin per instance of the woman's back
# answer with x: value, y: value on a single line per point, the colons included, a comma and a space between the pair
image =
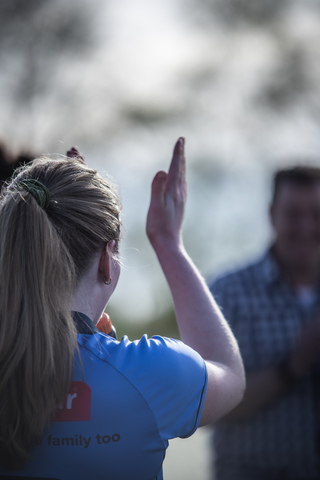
x: 116, y: 423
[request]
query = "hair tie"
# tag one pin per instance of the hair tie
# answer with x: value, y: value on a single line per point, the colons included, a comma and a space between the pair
x: 39, y: 191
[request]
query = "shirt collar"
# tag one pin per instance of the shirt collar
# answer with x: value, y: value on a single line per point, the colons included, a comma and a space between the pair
x: 84, y: 324
x: 271, y: 271
x: 270, y: 268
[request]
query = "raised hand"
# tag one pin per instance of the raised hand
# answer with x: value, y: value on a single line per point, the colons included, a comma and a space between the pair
x: 201, y: 323
x: 168, y: 198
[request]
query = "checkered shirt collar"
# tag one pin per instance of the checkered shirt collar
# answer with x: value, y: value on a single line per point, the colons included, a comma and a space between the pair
x: 270, y: 268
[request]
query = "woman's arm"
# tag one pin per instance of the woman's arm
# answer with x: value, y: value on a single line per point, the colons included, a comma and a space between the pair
x: 201, y: 323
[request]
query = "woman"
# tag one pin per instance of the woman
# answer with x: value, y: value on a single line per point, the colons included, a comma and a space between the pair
x: 75, y: 403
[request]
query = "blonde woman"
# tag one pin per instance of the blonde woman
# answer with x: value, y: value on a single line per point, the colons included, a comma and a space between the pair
x: 76, y: 403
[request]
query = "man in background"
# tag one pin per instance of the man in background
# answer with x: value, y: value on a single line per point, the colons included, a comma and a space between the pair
x: 273, y: 307
x: 9, y: 161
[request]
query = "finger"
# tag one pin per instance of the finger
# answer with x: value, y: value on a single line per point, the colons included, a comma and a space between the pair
x: 177, y: 170
x: 74, y: 153
x: 178, y: 164
x: 158, y: 188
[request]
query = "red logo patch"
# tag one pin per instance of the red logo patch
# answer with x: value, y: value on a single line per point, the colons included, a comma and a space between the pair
x: 77, y: 405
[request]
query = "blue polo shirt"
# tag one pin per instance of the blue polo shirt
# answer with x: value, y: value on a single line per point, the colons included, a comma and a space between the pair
x: 131, y: 398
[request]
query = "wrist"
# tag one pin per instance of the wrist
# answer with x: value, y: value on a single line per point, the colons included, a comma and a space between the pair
x: 168, y: 247
x: 163, y: 239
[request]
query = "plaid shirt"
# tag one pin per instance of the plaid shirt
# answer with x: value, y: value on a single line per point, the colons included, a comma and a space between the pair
x: 266, y: 318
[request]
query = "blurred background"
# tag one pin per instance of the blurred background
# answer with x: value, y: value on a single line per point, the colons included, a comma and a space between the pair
x: 122, y: 80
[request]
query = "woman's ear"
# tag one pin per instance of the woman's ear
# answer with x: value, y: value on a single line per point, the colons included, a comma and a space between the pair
x: 105, y: 260
x: 111, y: 247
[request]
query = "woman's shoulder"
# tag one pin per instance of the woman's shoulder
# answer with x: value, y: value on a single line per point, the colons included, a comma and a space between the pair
x: 152, y: 351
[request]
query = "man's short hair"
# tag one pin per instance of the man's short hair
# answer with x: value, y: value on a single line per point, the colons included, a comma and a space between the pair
x: 307, y: 176
x: 10, y: 161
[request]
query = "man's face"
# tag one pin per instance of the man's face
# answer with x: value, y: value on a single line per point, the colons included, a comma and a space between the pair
x: 295, y: 217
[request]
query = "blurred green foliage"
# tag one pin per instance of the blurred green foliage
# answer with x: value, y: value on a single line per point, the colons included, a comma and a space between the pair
x: 164, y: 325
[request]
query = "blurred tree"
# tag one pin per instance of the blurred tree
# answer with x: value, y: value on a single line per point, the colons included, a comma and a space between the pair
x: 289, y: 80
x: 39, y: 39
x: 290, y: 74
x: 33, y: 36
x: 238, y: 12
x: 247, y: 11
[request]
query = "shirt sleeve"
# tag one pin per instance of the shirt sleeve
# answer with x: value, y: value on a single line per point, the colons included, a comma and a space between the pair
x: 172, y: 377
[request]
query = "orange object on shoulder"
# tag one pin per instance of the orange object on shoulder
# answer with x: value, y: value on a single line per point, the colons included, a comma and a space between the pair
x: 104, y: 324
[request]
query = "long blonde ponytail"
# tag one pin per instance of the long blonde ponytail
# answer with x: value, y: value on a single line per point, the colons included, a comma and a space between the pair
x: 41, y: 258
